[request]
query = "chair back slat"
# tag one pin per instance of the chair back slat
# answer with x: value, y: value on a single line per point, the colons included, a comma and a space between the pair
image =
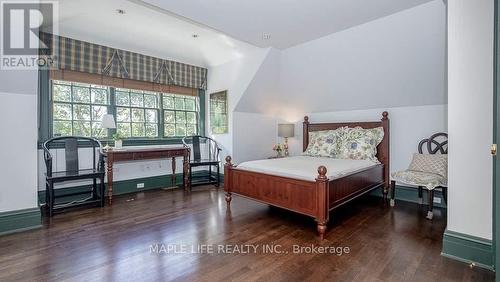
x: 437, y: 143
x: 71, y: 153
x: 196, y: 148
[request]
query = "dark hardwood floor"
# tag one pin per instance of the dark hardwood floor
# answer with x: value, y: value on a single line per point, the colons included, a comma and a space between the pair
x: 113, y: 243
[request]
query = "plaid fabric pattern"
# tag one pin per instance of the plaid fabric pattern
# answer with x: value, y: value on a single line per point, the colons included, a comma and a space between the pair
x: 76, y: 55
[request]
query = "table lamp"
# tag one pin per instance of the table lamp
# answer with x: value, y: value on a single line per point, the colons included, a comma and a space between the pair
x: 286, y: 130
x: 108, y: 122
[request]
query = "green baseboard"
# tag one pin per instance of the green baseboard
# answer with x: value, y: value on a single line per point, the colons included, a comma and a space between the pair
x: 468, y: 249
x: 410, y: 194
x: 120, y: 187
x: 20, y: 220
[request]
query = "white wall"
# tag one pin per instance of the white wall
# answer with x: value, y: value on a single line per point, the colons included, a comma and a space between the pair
x: 470, y: 120
x: 18, y: 115
x: 234, y: 77
x: 254, y: 135
x: 394, y: 61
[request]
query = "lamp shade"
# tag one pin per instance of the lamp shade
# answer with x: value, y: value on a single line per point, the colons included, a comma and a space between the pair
x: 108, y: 121
x: 286, y: 130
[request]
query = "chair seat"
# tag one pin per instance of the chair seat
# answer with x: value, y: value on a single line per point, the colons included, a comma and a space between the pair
x: 419, y: 178
x: 204, y: 162
x: 78, y: 174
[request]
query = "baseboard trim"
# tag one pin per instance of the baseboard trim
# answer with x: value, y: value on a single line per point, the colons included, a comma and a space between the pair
x: 123, y: 187
x: 468, y: 249
x: 20, y: 220
x: 410, y: 194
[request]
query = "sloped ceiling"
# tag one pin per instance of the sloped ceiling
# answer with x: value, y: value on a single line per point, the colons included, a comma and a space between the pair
x: 147, y: 30
x: 289, y: 22
x: 394, y: 61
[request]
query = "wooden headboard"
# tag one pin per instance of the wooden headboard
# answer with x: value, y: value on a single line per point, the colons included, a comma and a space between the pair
x: 382, y: 149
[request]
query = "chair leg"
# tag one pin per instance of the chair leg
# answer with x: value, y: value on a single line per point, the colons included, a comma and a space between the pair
x: 445, y: 194
x: 102, y: 191
x: 51, y: 199
x: 218, y: 176
x: 209, y: 173
x: 420, y: 196
x: 94, y: 189
x: 47, y: 194
x: 430, y: 213
x: 190, y: 178
x: 393, y: 193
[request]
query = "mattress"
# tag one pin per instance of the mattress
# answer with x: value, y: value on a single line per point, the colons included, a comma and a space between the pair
x: 306, y: 167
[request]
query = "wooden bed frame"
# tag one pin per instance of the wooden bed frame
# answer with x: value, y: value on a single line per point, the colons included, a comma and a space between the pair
x: 312, y: 198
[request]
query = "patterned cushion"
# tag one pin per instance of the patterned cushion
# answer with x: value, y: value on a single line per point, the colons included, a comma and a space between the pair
x: 361, y: 144
x: 436, y: 163
x: 324, y: 143
x: 419, y: 178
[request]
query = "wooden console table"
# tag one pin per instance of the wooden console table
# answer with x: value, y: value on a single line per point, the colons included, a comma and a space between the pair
x: 136, y: 154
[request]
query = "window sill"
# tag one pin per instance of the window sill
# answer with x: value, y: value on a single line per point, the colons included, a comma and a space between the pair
x: 130, y: 142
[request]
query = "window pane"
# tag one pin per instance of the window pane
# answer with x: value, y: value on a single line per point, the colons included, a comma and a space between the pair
x: 137, y: 129
x: 136, y: 99
x: 180, y: 117
x: 62, y: 111
x: 169, y: 130
x: 150, y: 101
x: 180, y: 130
x: 61, y: 93
x: 190, y: 104
x: 179, y: 103
x: 151, y: 130
x: 122, y: 98
x: 122, y: 114
x: 168, y: 102
x: 169, y: 117
x: 81, y: 112
x: 62, y: 128
x: 99, y: 96
x: 81, y: 94
x: 137, y: 115
x: 98, y: 131
x: 98, y: 112
x: 190, y: 117
x: 151, y: 115
x: 81, y: 128
x: 123, y: 129
x: 191, y: 129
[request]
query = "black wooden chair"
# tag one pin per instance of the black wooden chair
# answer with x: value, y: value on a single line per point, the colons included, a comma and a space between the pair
x: 70, y: 146
x: 436, y: 144
x: 205, y: 153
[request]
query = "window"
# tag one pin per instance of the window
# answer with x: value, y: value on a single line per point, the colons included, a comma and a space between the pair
x: 136, y: 113
x: 180, y: 115
x: 218, y: 112
x: 78, y: 108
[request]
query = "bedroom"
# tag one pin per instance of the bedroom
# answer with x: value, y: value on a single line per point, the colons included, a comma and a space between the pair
x: 141, y: 75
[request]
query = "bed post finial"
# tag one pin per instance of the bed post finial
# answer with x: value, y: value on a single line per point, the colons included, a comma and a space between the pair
x: 228, y: 160
x: 322, y: 172
x: 385, y: 115
x: 227, y: 180
x: 306, y: 119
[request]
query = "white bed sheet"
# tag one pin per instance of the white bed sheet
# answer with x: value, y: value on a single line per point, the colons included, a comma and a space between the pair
x: 306, y: 167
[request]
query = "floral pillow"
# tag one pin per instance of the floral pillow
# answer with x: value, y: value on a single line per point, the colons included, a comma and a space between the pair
x: 324, y: 143
x: 361, y: 144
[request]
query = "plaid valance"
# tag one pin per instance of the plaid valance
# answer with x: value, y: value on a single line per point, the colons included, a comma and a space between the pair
x: 76, y: 55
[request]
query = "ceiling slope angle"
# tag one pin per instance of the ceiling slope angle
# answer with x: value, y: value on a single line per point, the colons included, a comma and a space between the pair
x: 282, y: 23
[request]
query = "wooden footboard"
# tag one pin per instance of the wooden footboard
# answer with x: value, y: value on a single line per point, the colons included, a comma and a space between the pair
x: 314, y: 199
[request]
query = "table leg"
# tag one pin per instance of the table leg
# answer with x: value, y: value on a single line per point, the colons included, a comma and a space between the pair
x: 185, y: 169
x: 173, y: 172
x: 110, y: 182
